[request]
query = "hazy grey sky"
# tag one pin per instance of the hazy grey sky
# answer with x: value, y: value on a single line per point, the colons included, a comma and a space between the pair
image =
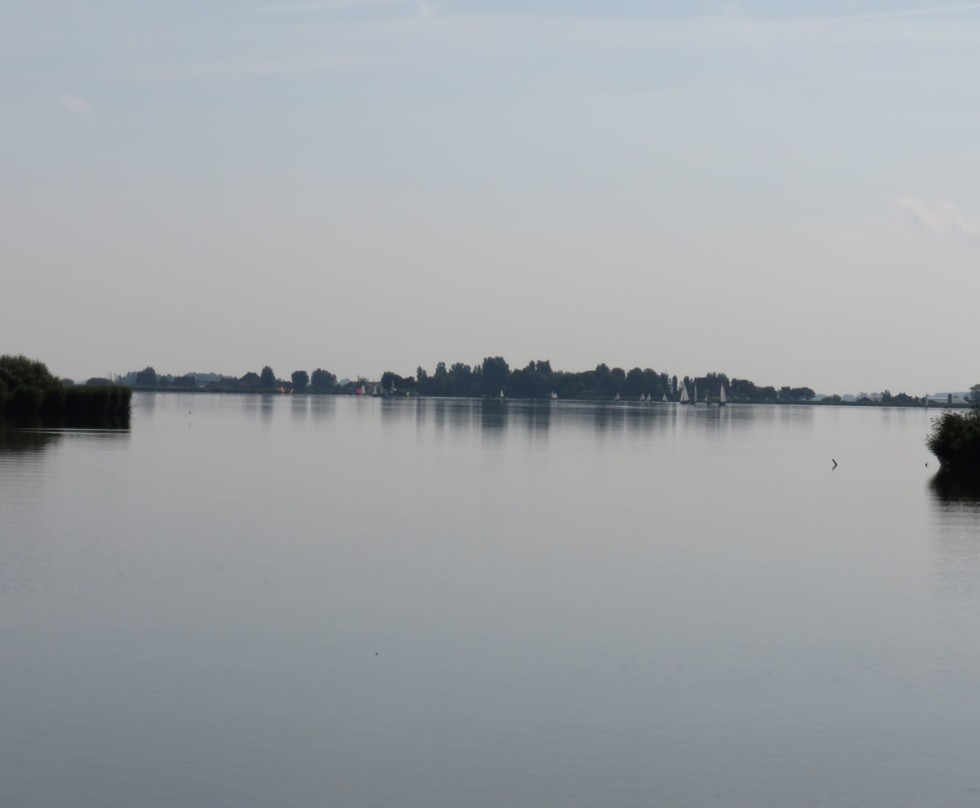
x: 783, y: 191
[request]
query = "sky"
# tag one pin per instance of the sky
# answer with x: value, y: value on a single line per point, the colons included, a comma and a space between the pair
x: 785, y: 192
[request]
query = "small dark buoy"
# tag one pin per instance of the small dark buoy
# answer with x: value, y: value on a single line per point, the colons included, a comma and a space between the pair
x: 834, y: 462
x: 377, y: 654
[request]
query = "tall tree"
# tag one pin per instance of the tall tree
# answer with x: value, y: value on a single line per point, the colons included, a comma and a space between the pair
x: 19, y: 370
x: 301, y: 380
x: 496, y: 371
x: 322, y: 381
x: 267, y: 379
x: 635, y: 384
x: 147, y: 377
x: 462, y: 381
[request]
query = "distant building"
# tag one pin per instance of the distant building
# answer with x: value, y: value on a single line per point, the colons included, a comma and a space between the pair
x: 948, y: 400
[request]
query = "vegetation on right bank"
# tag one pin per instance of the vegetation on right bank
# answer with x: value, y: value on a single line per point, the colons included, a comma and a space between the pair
x: 955, y: 441
x: 31, y: 395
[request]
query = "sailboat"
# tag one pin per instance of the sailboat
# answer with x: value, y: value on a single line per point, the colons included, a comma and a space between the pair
x: 684, y: 399
x: 501, y: 393
x: 664, y: 398
x: 694, y: 399
x: 554, y: 396
x: 722, y: 400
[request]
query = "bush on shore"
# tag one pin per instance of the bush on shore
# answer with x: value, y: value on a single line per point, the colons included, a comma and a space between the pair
x: 955, y: 441
x: 29, y: 394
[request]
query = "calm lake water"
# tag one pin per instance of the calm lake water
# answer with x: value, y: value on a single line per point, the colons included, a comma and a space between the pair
x: 251, y: 601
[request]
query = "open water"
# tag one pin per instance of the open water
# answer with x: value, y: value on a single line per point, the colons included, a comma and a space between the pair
x: 294, y: 602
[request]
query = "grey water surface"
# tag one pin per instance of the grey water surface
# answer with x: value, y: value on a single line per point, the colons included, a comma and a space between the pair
x: 291, y: 601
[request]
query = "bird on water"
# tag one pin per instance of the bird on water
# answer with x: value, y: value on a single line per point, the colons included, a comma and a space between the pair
x: 834, y: 462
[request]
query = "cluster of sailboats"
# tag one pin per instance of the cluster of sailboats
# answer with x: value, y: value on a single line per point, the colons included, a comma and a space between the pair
x: 683, y: 399
x: 721, y: 402
x: 380, y: 392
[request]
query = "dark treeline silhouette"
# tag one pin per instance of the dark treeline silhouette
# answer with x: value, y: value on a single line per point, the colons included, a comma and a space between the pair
x: 31, y: 395
x: 493, y: 376
x: 538, y: 380
x: 266, y: 381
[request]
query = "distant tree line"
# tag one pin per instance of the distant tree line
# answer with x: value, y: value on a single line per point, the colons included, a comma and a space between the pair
x: 535, y: 380
x: 538, y: 380
x: 319, y: 381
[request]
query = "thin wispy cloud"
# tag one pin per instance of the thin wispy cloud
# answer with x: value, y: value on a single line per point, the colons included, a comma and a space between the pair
x: 724, y: 27
x: 938, y: 215
x: 313, y: 6
x: 927, y: 11
x: 77, y: 105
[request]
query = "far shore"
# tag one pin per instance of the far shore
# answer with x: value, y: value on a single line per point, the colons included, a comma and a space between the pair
x: 287, y: 391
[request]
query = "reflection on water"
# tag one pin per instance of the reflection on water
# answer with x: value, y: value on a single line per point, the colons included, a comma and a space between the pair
x: 433, y: 603
x: 956, y: 512
x: 16, y: 441
x: 267, y: 404
x: 956, y: 493
x: 28, y: 441
x: 323, y: 407
x: 299, y: 407
x: 493, y: 416
x: 30, y: 459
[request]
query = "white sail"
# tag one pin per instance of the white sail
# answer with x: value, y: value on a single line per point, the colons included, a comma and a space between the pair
x: 722, y: 399
x: 684, y: 398
x: 695, y: 397
x: 501, y: 393
x: 664, y: 398
x: 554, y: 396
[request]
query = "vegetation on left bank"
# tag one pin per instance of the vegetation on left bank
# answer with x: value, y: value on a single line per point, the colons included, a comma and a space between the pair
x: 31, y: 395
x: 955, y: 441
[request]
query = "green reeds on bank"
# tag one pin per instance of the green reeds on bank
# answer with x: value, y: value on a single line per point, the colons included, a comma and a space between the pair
x: 30, y: 395
x: 955, y: 441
